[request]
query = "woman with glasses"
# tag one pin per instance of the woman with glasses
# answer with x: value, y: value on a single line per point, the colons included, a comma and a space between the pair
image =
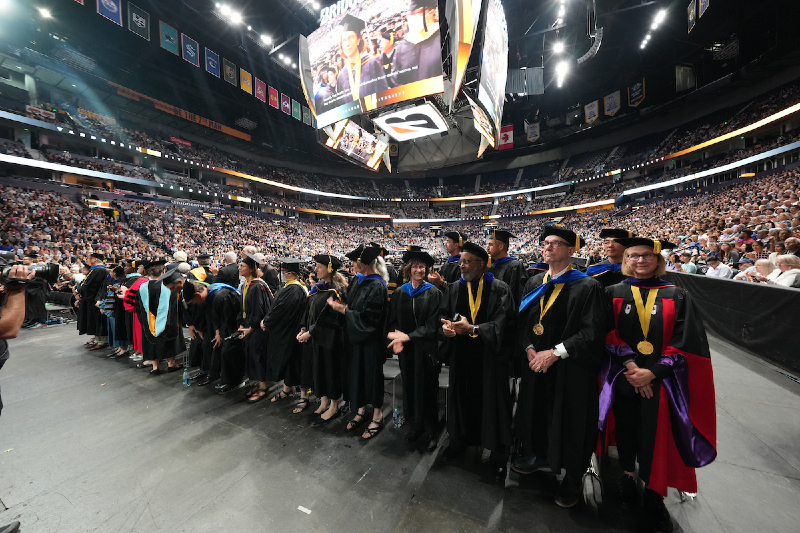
x: 657, y: 382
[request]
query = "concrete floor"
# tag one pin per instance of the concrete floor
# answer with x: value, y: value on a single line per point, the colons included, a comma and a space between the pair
x: 89, y: 444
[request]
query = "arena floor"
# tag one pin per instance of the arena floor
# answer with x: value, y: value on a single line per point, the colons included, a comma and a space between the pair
x: 89, y: 444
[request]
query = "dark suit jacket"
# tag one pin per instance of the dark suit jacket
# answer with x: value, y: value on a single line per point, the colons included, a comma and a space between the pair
x: 229, y: 274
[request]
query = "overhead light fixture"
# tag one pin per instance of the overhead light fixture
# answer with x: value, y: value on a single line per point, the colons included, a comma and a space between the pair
x: 662, y: 14
x: 654, y: 26
x: 280, y: 56
x: 249, y: 28
x: 642, y: 45
x: 294, y: 65
x: 558, y: 47
x: 265, y: 38
x: 225, y: 9
x: 561, y: 10
x: 561, y: 71
x: 45, y: 13
x: 647, y: 37
x: 315, y: 5
x: 236, y: 17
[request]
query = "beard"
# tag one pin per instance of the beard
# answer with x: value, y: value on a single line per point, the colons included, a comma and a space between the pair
x: 469, y: 276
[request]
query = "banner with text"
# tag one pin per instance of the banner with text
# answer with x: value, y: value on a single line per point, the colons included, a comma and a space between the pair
x: 191, y: 50
x: 611, y: 103
x: 229, y: 71
x: 110, y: 9
x: 691, y: 15
x: 273, y: 97
x: 286, y: 104
x: 636, y: 93
x: 532, y: 131
x: 246, y: 81
x: 261, y: 90
x: 212, y: 63
x: 591, y: 111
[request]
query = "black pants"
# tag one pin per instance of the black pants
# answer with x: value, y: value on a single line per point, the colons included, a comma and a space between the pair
x: 635, y: 427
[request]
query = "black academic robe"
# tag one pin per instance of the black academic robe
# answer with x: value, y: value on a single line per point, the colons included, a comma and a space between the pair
x: 222, y: 311
x: 415, y: 62
x: 394, y: 279
x: 102, y: 294
x: 373, y: 80
x: 606, y: 277
x: 229, y: 275
x: 36, y: 294
x: 479, y: 396
x: 270, y: 275
x: 367, y: 305
x: 88, y: 314
x: 513, y: 273
x: 257, y: 302
x: 674, y: 432
x: 326, y: 343
x: 283, y: 324
x: 418, y: 317
x: 556, y: 410
x: 451, y: 272
x: 168, y: 342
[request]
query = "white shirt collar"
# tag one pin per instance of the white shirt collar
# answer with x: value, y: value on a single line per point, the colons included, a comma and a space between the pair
x: 559, y: 274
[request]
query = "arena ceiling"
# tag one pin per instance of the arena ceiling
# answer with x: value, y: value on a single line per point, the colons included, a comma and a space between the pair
x: 763, y: 32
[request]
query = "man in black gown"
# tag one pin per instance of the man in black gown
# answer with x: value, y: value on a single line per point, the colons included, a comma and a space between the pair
x: 608, y: 272
x: 561, y: 331
x: 503, y: 266
x: 203, y: 271
x: 256, y: 303
x: 159, y: 311
x: 449, y: 272
x: 418, y: 56
x: 36, y: 293
x: 89, y: 316
x: 479, y: 406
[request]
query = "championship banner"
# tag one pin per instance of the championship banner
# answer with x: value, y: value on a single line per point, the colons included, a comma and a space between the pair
x: 191, y: 50
x: 229, y: 71
x: 306, y: 115
x: 110, y: 9
x: 286, y: 104
x: 169, y: 37
x: 296, y: 109
x: 611, y: 103
x: 212, y: 63
x: 591, y: 112
x: 636, y: 93
x: 703, y: 7
x: 533, y: 131
x: 139, y: 21
x: 246, y: 81
x: 691, y: 13
x: 261, y: 90
x: 273, y: 97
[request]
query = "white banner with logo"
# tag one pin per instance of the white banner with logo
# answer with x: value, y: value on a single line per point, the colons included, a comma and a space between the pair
x: 532, y: 131
x: 611, y: 103
x: 39, y: 112
x: 591, y: 111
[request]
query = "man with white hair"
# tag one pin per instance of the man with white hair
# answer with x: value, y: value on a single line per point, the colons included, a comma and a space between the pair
x: 229, y: 274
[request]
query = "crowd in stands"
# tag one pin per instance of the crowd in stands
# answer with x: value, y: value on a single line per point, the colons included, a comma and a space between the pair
x: 101, y: 165
x: 13, y: 148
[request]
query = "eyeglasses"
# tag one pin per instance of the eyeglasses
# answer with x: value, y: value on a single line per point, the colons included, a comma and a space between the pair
x: 636, y: 257
x: 467, y: 262
x: 554, y: 244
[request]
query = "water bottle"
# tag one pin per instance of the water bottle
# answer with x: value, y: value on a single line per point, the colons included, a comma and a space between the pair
x: 398, y: 417
x: 186, y: 381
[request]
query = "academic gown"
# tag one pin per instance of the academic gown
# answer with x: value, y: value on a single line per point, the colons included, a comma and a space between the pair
x: 373, y: 80
x: 394, y: 279
x: 270, y: 275
x: 509, y: 270
x: 283, y: 325
x: 417, y: 61
x: 479, y: 397
x: 606, y: 273
x: 367, y: 305
x: 229, y: 275
x: 673, y: 432
x: 451, y: 270
x: 158, y: 310
x: 326, y: 343
x: 257, y: 302
x: 415, y: 312
x: 88, y: 313
x: 36, y: 293
x: 131, y: 296
x: 102, y: 294
x: 125, y: 330
x: 556, y: 409
x: 223, y: 305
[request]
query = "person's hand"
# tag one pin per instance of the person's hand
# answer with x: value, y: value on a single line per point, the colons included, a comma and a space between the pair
x: 217, y: 342
x: 263, y: 326
x: 639, y: 377
x: 435, y: 278
x: 398, y: 338
x: 542, y: 361
x: 463, y: 327
x: 337, y: 306
x: 646, y: 391
x: 246, y: 332
x: 447, y: 329
x: 303, y: 336
x: 214, y: 269
x: 530, y: 353
x: 192, y: 332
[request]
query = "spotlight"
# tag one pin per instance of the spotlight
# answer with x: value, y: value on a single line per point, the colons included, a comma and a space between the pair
x: 294, y: 65
x: 265, y: 38
x: 558, y: 47
x: 647, y: 37
x: 249, y: 28
x: 654, y: 26
x: 236, y: 17
x: 45, y: 13
x: 661, y: 16
x: 225, y: 9
x: 561, y: 10
x: 315, y: 5
x: 280, y: 56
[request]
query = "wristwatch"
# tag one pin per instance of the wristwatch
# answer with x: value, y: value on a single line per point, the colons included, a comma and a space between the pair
x: 475, y: 331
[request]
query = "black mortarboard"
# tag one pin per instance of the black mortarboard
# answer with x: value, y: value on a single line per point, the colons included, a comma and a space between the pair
x: 119, y: 271
x: 330, y: 261
x: 456, y: 236
x: 502, y: 235
x: 656, y: 244
x: 418, y: 255
x: 171, y: 266
x: 172, y: 276
x: 369, y: 254
x: 568, y: 235
x: 290, y: 264
x: 155, y: 262
x: 204, y: 255
x: 252, y: 261
x: 351, y: 23
x: 355, y: 254
x: 378, y: 246
x: 98, y: 255
x: 615, y: 233
x: 35, y: 255
x: 386, y: 33
x: 474, y: 249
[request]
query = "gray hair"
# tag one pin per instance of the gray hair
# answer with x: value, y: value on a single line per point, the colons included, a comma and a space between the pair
x: 766, y: 264
x: 379, y: 266
x: 789, y: 260
x: 184, y: 267
x: 230, y: 257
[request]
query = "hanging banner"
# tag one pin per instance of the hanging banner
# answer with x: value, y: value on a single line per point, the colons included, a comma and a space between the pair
x: 169, y: 37
x: 246, y: 81
x: 261, y: 90
x: 286, y: 104
x: 591, y: 111
x: 94, y: 116
x: 306, y: 115
x: 273, y: 97
x: 691, y: 13
x: 191, y: 51
x: 296, y: 109
x: 139, y: 21
x: 229, y: 71
x: 79, y: 1
x: 703, y: 7
x: 178, y: 140
x: 532, y: 131
x: 636, y: 93
x: 110, y: 9
x: 611, y: 103
x: 506, y: 140
x: 212, y: 63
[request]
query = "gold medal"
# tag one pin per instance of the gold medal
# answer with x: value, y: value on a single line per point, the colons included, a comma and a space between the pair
x: 645, y: 312
x: 538, y: 329
x: 645, y: 347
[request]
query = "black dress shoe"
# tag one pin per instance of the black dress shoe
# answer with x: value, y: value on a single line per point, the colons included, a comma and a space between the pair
x: 225, y: 388
x: 205, y: 380
x: 155, y: 372
x: 413, y: 435
x: 432, y: 445
x: 627, y: 491
x: 569, y: 492
x: 219, y: 385
x: 500, y: 475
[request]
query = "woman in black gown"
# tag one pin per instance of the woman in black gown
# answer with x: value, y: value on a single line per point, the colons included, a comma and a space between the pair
x: 256, y: 303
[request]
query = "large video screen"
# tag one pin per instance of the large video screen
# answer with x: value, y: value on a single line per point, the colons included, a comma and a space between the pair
x: 357, y: 143
x: 494, y: 62
x: 374, y: 53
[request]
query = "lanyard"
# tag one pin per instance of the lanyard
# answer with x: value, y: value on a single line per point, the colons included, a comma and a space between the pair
x: 475, y: 303
x: 538, y: 329
x: 645, y: 312
x: 355, y: 83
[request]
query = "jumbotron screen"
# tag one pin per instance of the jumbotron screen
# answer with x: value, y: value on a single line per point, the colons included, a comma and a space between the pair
x: 375, y: 53
x: 494, y: 62
x: 357, y: 143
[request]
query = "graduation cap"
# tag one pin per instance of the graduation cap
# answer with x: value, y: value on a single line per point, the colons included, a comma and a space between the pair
x: 96, y: 255
x: 355, y: 254
x: 502, y: 235
x: 173, y: 276
x: 456, y: 236
x: 331, y: 261
x: 369, y: 254
x: 378, y: 246
x: 154, y: 262
x: 204, y: 255
x: 615, y: 233
x: 656, y: 244
x: 251, y: 261
x: 290, y: 264
x: 119, y: 271
x: 351, y: 23
x: 568, y: 235
x: 475, y: 249
x: 418, y: 255
x: 32, y: 255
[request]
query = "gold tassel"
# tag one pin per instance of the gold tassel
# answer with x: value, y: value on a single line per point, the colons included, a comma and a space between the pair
x: 330, y: 264
x: 656, y: 246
